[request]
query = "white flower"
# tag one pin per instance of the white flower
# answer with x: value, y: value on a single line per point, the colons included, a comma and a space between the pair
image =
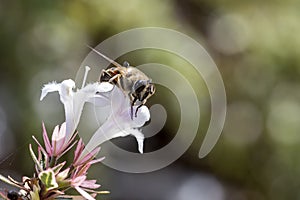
x: 73, y: 101
x: 119, y: 122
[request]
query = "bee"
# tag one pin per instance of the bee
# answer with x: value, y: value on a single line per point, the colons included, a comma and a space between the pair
x: 133, y: 82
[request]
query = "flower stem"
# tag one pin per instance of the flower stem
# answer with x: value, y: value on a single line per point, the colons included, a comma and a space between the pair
x: 52, y: 161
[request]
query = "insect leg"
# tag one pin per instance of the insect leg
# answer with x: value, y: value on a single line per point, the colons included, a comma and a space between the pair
x: 132, y: 104
x: 143, y: 103
x: 117, y: 76
x: 138, y: 109
x: 104, y: 76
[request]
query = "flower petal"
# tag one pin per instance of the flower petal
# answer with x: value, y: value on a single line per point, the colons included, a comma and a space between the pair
x: 78, y: 151
x: 91, y: 184
x: 66, y: 97
x: 96, y: 160
x: 66, y: 90
x: 101, y: 136
x: 70, y: 146
x: 82, y: 170
x: 99, y: 100
x: 78, y: 180
x: 136, y: 133
x: 84, y: 193
x: 54, y: 138
x: 139, y: 136
x: 120, y: 124
x: 50, y: 87
x: 87, y: 157
x: 60, y: 139
x: 142, y: 116
x: 40, y: 146
x: 46, y: 140
x: 118, y: 101
x: 105, y: 87
x: 63, y: 175
x: 80, y: 97
x: 70, y: 123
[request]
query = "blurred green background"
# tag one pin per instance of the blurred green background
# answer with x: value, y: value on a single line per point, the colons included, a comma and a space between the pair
x: 256, y: 46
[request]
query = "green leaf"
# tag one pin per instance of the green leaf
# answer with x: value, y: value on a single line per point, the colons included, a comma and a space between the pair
x: 63, y: 184
x: 56, y: 169
x: 35, y: 160
x: 48, y: 179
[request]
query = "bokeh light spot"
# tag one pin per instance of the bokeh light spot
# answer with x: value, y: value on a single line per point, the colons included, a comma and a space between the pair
x: 229, y: 34
x: 243, y: 124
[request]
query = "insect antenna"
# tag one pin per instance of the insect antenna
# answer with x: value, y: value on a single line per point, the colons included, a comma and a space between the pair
x: 105, y: 57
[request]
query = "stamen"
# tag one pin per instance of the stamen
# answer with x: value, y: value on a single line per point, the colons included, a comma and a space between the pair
x: 87, y: 69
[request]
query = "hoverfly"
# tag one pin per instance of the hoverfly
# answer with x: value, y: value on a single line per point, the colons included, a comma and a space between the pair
x: 130, y: 80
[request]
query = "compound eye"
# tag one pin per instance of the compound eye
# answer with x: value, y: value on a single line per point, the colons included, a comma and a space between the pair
x: 139, y: 86
x: 140, y: 89
x: 145, y: 95
x: 126, y: 64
